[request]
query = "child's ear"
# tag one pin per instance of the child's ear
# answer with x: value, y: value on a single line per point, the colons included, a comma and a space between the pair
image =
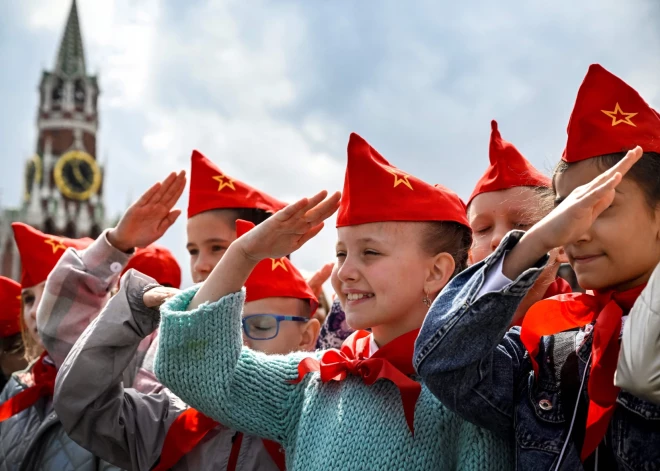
x: 441, y: 271
x: 310, y: 335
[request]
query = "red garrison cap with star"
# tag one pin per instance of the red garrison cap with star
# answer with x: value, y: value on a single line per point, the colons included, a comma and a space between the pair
x: 10, y: 307
x: 157, y: 262
x: 508, y: 168
x: 275, y: 278
x: 40, y: 252
x: 211, y: 189
x: 376, y: 191
x: 609, y: 116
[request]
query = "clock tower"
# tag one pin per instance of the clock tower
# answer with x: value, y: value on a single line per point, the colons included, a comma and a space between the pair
x: 63, y: 181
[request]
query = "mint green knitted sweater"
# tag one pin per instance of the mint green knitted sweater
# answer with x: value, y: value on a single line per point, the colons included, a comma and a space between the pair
x: 336, y: 425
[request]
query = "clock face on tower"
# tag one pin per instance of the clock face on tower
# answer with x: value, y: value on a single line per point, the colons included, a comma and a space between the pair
x: 77, y: 175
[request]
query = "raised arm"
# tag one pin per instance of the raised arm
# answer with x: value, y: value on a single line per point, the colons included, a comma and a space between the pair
x: 120, y: 425
x: 465, y: 355
x: 200, y: 354
x: 462, y: 352
x: 80, y: 284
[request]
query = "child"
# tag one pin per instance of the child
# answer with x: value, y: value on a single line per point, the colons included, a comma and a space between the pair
x: 12, y: 354
x: 31, y: 437
x: 551, y: 384
x: 400, y: 241
x: 129, y: 428
x: 216, y: 202
x: 510, y: 195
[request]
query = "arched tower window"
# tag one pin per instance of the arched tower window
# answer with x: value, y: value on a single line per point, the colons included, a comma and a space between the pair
x: 57, y: 94
x: 79, y: 94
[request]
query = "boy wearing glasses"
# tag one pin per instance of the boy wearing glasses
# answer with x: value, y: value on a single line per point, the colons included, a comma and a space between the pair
x: 157, y: 431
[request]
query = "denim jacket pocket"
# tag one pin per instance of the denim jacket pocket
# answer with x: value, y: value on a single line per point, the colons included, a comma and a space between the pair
x: 635, y: 430
x: 540, y: 427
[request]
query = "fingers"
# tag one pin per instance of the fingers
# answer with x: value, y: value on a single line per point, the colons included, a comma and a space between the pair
x: 167, y: 222
x: 288, y: 212
x: 320, y: 277
x: 625, y: 164
x: 175, y: 190
x: 601, y: 197
x: 622, y: 167
x: 164, y: 187
x: 148, y: 195
x: 324, y: 210
x: 311, y: 203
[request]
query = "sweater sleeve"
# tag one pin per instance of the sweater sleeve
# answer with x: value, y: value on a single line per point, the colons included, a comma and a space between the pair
x: 201, y: 358
x: 638, y: 369
x: 75, y: 292
x: 118, y: 424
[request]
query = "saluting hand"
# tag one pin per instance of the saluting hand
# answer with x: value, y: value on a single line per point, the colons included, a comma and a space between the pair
x: 571, y: 219
x: 146, y: 220
x: 288, y: 229
x: 281, y: 234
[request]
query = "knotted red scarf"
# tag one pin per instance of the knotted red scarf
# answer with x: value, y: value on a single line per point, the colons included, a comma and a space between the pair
x: 392, y: 362
x: 188, y: 430
x: 43, y: 375
x: 557, y: 287
x: 568, y: 311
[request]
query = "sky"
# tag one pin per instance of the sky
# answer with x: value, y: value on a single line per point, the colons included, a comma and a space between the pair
x: 271, y: 90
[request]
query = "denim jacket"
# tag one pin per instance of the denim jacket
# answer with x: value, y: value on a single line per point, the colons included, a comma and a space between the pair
x: 469, y: 360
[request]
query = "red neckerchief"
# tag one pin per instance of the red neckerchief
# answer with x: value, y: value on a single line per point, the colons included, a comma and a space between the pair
x: 188, y: 430
x: 392, y: 362
x: 43, y: 375
x: 558, y: 286
x: 568, y: 311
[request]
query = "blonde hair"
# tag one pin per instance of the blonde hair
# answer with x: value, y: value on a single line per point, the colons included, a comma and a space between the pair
x: 32, y: 348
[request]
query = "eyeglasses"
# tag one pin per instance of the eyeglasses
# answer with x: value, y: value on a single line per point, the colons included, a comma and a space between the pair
x: 266, y: 326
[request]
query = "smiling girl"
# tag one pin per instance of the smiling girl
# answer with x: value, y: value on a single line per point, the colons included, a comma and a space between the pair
x: 400, y: 240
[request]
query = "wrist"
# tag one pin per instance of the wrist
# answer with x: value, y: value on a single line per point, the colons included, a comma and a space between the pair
x: 117, y: 242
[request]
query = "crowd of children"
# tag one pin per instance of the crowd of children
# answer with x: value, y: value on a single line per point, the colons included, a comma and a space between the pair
x: 450, y: 341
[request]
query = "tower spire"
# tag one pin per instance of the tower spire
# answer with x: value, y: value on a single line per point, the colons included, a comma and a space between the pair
x: 71, y: 57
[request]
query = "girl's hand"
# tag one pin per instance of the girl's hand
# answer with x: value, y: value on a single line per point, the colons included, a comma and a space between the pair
x: 571, y: 219
x: 146, y: 220
x: 158, y: 295
x: 317, y: 279
x: 287, y: 230
x: 575, y: 215
x: 281, y: 234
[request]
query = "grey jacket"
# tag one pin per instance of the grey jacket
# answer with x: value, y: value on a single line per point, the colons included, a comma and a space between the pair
x: 34, y: 440
x: 123, y: 425
x: 638, y: 370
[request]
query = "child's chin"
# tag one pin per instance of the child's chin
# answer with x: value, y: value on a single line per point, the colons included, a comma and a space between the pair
x: 358, y: 321
x: 593, y: 282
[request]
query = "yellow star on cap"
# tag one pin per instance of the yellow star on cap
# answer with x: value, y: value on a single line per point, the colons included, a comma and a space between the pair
x: 400, y: 178
x: 615, y: 115
x: 279, y: 262
x: 221, y: 179
x: 55, y: 244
